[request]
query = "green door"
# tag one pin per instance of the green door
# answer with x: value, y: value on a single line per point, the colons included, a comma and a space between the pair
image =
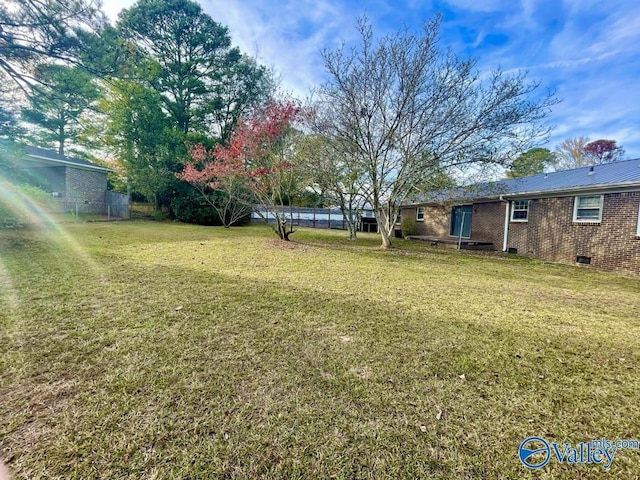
x: 461, y: 219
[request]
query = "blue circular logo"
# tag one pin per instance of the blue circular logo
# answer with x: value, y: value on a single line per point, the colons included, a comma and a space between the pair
x: 534, y: 452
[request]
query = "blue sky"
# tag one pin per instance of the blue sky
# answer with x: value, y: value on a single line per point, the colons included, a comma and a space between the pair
x: 588, y: 51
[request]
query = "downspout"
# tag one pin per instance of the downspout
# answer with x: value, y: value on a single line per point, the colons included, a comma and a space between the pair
x: 505, y: 240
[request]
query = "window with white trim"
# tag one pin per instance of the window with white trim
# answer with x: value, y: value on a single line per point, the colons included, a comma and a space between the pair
x: 420, y: 214
x: 520, y: 211
x: 638, y: 227
x: 588, y: 208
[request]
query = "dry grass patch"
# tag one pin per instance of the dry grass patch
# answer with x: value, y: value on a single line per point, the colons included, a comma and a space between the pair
x: 147, y: 350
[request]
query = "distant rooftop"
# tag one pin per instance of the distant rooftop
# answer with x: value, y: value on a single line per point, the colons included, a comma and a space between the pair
x: 622, y: 174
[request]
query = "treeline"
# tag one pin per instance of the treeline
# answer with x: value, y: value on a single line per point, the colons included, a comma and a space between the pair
x: 134, y: 95
x: 197, y: 127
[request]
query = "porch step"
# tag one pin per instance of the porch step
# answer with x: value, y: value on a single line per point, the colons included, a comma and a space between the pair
x: 476, y: 245
x: 465, y: 244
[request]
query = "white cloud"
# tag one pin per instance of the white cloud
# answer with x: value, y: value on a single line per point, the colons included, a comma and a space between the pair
x: 288, y: 38
x: 587, y: 49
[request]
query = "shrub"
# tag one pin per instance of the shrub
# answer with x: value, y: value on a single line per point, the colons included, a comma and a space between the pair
x: 191, y: 208
x: 159, y: 215
x: 409, y: 227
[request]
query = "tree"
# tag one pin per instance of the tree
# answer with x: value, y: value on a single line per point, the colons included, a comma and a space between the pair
x: 34, y: 31
x: 9, y: 110
x: 570, y: 153
x: 141, y: 135
x: 603, y: 151
x: 580, y: 152
x: 221, y: 180
x: 403, y: 109
x: 531, y: 162
x: 59, y: 100
x: 205, y: 84
x: 199, y: 87
x: 332, y: 176
x: 242, y: 86
x: 258, y: 154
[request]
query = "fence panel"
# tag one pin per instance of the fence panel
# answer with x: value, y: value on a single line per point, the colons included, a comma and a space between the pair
x: 307, y: 217
x: 116, y: 205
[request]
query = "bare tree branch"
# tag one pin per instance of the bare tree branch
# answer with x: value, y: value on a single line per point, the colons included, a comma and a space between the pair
x: 405, y: 110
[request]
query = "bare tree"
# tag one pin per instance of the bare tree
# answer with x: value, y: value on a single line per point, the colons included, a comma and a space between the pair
x: 570, y: 153
x: 332, y: 174
x: 580, y: 152
x: 404, y: 109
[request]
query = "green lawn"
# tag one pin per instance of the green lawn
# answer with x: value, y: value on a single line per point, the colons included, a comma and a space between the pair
x: 150, y: 350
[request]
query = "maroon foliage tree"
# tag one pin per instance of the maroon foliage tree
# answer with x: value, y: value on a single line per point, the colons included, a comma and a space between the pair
x: 254, y: 166
x: 603, y: 151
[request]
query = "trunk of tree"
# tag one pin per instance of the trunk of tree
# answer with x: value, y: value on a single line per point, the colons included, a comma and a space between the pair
x: 386, y: 237
x: 281, y: 228
x: 385, y: 219
x: 61, y: 137
x: 347, y: 214
x: 352, y: 230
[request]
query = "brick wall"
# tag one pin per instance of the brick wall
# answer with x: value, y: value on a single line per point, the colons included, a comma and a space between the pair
x: 487, y: 223
x: 551, y: 233
x: 87, y: 187
x: 435, y: 223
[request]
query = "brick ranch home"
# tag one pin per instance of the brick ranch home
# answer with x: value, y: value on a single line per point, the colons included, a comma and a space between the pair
x: 587, y: 215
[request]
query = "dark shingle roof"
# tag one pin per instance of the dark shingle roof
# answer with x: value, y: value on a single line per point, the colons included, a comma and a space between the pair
x: 56, y: 157
x: 621, y: 174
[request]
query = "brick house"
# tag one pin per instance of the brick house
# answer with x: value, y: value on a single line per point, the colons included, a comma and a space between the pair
x: 588, y: 215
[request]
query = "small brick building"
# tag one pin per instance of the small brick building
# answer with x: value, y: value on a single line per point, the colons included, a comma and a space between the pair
x: 78, y: 185
x: 588, y: 215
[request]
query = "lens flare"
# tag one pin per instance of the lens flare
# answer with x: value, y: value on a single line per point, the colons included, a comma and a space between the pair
x: 18, y: 208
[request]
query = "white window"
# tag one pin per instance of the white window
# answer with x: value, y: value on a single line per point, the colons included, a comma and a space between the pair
x: 420, y: 214
x: 588, y: 208
x: 638, y: 228
x: 520, y: 211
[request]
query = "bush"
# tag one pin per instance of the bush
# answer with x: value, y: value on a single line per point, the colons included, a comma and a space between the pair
x: 159, y: 215
x: 409, y: 227
x: 190, y: 207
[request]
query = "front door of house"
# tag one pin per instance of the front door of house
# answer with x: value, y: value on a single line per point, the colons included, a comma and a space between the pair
x: 461, y: 220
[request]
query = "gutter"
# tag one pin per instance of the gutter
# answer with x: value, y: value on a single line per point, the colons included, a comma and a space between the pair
x: 505, y: 239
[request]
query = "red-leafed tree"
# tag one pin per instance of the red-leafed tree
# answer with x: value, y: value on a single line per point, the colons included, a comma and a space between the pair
x: 221, y: 181
x: 254, y: 167
x: 603, y: 151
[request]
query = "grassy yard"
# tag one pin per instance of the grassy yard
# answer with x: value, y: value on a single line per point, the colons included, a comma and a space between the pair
x: 150, y: 350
